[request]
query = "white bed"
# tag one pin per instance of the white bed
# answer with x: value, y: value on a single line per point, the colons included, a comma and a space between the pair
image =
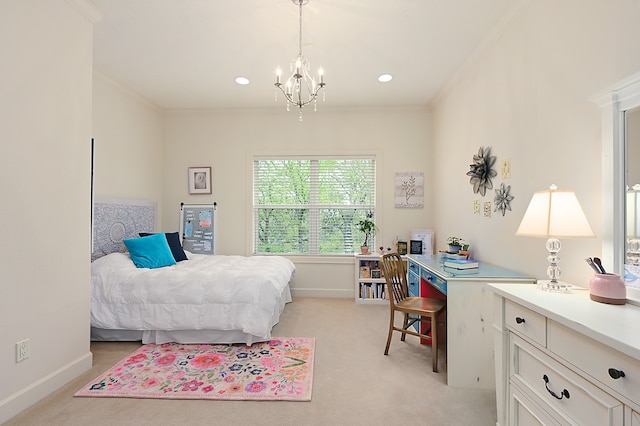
x: 205, y: 299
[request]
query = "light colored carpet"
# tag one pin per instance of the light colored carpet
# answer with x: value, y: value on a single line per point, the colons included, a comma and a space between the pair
x: 354, y: 383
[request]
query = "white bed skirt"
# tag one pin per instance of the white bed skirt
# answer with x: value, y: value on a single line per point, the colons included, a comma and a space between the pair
x: 178, y: 336
x: 190, y: 336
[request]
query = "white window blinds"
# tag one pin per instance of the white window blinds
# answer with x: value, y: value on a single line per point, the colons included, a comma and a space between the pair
x: 311, y: 205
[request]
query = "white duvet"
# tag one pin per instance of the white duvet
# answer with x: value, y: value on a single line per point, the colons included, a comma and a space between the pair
x: 202, y: 293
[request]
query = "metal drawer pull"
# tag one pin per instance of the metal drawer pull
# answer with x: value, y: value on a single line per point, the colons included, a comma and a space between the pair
x: 616, y: 374
x: 519, y: 320
x: 563, y: 394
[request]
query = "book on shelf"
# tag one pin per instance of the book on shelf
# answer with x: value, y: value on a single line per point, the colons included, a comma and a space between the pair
x: 461, y: 263
x: 372, y: 291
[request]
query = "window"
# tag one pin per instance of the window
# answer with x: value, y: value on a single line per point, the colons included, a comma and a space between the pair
x: 311, y: 205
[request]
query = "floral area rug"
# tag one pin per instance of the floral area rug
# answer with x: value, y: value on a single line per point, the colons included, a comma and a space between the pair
x: 279, y: 369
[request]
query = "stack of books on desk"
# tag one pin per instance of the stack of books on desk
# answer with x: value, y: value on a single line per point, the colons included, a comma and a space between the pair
x: 461, y: 263
x: 445, y: 255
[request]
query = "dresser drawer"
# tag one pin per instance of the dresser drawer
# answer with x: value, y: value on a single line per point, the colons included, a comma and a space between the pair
x: 576, y: 399
x: 528, y: 409
x: 525, y: 322
x: 595, y: 359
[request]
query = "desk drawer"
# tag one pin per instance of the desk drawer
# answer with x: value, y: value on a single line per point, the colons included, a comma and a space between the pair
x: 595, y: 359
x: 413, y: 283
x: 525, y: 322
x: 578, y: 400
x: 434, y: 280
x: 413, y: 267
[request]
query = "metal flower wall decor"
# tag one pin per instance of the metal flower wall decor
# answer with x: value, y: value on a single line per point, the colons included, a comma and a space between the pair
x: 481, y: 171
x: 503, y: 199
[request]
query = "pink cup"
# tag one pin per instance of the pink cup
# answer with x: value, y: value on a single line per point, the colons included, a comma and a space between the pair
x: 608, y: 288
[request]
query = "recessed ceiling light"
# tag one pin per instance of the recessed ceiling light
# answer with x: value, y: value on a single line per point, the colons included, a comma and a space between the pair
x: 242, y: 80
x: 385, y: 78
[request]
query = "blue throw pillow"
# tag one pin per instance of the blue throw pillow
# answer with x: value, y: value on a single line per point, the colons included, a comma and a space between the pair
x: 150, y: 252
x: 173, y: 238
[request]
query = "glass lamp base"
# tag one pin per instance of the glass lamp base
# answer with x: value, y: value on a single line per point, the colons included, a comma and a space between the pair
x: 554, y: 287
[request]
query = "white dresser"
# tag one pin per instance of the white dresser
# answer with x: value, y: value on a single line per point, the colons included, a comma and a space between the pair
x: 563, y: 359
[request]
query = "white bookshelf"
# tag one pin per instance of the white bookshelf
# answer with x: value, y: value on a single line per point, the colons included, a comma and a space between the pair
x: 369, y: 287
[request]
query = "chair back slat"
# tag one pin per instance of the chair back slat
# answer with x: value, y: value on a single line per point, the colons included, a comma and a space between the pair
x: 395, y: 275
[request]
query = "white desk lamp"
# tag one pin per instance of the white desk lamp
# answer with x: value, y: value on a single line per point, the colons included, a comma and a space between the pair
x: 554, y: 214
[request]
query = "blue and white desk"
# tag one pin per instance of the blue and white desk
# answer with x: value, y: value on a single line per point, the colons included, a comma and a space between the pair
x: 469, y: 314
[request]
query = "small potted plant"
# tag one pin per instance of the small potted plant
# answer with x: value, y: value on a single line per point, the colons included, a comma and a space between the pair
x: 369, y: 228
x: 455, y: 244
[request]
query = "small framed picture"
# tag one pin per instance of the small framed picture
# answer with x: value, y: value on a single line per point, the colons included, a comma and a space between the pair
x: 376, y: 273
x: 364, y: 272
x: 415, y: 247
x: 199, y: 180
x: 402, y: 247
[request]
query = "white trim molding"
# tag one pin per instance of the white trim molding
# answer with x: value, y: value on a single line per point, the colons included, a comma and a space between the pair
x: 613, y: 103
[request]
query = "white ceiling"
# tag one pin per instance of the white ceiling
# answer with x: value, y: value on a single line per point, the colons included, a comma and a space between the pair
x: 187, y: 53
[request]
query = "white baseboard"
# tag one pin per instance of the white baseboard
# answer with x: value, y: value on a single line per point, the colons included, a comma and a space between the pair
x: 29, y: 395
x: 322, y: 292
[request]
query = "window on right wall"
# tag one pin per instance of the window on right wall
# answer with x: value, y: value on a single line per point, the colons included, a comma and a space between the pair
x: 311, y: 204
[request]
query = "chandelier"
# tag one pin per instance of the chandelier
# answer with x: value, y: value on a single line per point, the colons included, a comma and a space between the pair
x: 300, y: 89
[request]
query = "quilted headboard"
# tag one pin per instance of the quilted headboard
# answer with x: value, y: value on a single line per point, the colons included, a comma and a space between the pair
x: 115, y: 220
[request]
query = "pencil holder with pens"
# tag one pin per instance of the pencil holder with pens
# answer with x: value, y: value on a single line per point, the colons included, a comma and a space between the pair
x: 608, y: 288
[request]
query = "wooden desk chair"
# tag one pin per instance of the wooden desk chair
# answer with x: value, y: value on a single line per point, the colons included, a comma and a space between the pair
x: 424, y: 310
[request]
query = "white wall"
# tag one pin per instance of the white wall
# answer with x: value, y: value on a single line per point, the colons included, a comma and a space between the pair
x: 45, y: 134
x: 128, y: 144
x: 227, y: 140
x: 527, y: 95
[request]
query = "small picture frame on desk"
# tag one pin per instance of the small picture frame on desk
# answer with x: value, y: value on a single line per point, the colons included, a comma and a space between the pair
x: 376, y: 273
x: 415, y: 247
x: 402, y: 248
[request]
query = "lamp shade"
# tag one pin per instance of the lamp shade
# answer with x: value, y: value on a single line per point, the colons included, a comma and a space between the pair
x: 555, y: 214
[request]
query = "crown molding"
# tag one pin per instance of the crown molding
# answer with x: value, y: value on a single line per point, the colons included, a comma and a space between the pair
x: 494, y: 35
x: 124, y: 89
x: 625, y: 92
x: 87, y: 9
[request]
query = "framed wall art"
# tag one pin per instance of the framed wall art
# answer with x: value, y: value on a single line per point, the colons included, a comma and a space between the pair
x: 402, y: 247
x: 199, y: 180
x: 409, y: 190
x: 415, y: 247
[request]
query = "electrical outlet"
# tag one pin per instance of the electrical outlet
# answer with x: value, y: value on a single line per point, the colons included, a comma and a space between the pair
x: 23, y: 350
